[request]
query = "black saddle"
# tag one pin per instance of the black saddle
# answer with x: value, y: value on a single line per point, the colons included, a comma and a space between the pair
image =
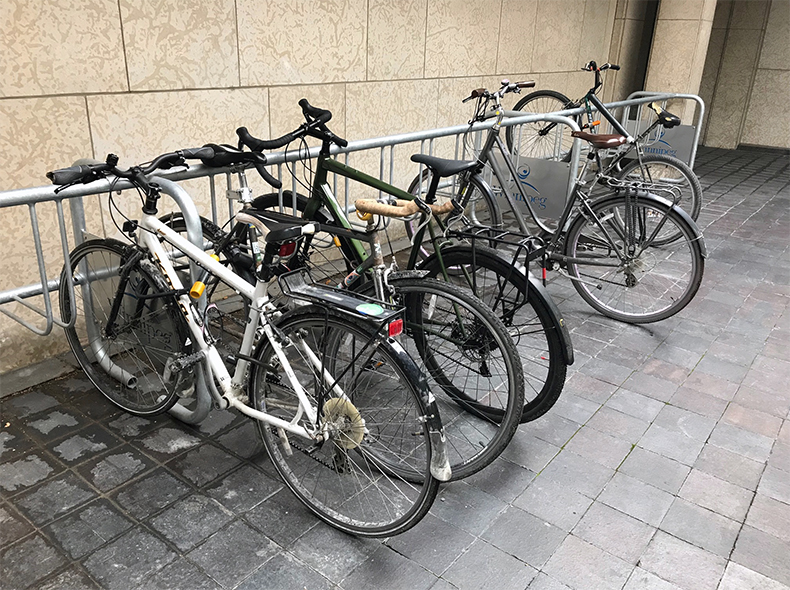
x: 667, y: 119
x: 444, y: 167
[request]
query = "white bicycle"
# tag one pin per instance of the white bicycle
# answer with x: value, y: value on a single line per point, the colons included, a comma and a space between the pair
x: 344, y: 413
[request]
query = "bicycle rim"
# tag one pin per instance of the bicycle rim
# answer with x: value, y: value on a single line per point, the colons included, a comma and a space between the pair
x: 372, y: 477
x: 657, y: 281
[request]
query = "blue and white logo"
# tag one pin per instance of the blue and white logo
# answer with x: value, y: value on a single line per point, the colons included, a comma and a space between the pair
x: 660, y: 149
x: 530, y: 190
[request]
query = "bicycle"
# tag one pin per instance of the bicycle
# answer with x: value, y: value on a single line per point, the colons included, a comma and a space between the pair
x: 631, y: 255
x: 629, y: 162
x: 531, y: 317
x: 344, y: 413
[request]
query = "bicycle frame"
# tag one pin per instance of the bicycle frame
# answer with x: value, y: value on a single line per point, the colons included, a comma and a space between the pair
x: 231, y: 386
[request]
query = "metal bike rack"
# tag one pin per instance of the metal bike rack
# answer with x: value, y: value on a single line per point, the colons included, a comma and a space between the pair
x: 49, y: 280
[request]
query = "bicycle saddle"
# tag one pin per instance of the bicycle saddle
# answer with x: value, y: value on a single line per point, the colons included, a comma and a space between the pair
x: 667, y: 119
x: 601, y: 140
x: 444, y: 167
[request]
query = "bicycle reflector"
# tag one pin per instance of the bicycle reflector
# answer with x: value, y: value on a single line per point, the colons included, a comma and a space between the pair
x: 395, y: 327
x: 287, y: 249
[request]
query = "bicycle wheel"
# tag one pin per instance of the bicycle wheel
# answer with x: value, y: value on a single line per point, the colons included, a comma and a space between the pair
x: 627, y: 268
x: 531, y: 318
x: 372, y: 476
x: 540, y: 139
x: 480, y: 207
x: 667, y: 173
x: 131, y: 366
x: 473, y: 367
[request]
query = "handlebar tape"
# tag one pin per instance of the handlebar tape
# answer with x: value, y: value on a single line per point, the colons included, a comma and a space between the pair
x: 399, y: 209
x: 276, y: 184
x: 321, y: 116
x: 258, y: 145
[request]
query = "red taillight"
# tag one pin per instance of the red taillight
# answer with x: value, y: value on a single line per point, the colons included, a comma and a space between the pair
x: 287, y: 249
x: 395, y: 327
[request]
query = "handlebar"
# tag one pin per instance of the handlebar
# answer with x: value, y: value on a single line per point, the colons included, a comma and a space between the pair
x: 506, y: 86
x: 88, y: 173
x: 591, y: 66
x: 401, y: 208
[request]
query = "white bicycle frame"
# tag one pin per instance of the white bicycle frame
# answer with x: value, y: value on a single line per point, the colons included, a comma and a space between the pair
x: 232, y: 388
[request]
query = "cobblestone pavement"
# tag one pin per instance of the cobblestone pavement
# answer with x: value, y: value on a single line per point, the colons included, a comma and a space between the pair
x: 664, y: 465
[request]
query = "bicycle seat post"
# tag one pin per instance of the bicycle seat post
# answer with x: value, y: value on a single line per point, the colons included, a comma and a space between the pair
x: 243, y: 194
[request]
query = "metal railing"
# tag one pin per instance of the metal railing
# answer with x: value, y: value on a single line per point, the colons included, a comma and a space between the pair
x: 33, y: 197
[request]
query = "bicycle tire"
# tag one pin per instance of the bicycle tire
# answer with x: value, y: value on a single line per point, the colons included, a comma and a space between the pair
x: 540, y: 139
x: 149, y: 331
x: 384, y: 426
x: 476, y: 377
x: 670, y: 171
x: 627, y: 292
x: 524, y: 311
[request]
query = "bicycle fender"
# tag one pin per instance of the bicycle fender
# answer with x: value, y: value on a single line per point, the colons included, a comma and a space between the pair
x: 686, y: 217
x: 556, y: 317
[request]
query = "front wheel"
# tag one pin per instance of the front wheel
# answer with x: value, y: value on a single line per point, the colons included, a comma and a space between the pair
x: 623, y: 265
x: 371, y: 475
x: 541, y: 139
x: 130, y: 359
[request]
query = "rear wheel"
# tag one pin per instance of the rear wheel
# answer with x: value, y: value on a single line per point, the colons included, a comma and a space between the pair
x: 473, y: 368
x: 372, y: 476
x: 628, y: 267
x: 505, y: 290
x: 131, y: 363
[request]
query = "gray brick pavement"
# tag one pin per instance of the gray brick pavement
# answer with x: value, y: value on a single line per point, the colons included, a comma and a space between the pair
x: 665, y: 464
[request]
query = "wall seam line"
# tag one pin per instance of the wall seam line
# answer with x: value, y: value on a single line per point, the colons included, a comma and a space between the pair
x: 425, y: 43
x: 123, y: 46
x: 499, y: 38
x: 748, y: 100
x: 238, y: 39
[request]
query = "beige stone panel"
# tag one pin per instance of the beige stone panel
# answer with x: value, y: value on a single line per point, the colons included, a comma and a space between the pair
x: 557, y: 35
x: 139, y: 127
x: 614, y: 78
x: 302, y: 41
x: 674, y: 43
x: 762, y: 125
x: 461, y: 37
x: 516, y: 35
x: 709, y: 9
x: 721, y: 18
x: 680, y: 9
x: 750, y: 14
x: 700, y: 55
x: 172, y: 44
x: 557, y: 81
x: 402, y: 107
x: 776, y: 47
x: 60, y: 47
x: 451, y: 110
x: 396, y: 39
x: 596, y: 32
x: 621, y: 8
x: 19, y: 347
x: 729, y: 102
x: 710, y: 71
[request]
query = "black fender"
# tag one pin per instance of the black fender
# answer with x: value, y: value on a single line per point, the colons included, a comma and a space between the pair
x: 667, y: 204
x: 556, y: 316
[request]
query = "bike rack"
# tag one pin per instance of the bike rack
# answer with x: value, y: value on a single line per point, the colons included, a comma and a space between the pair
x: 49, y: 280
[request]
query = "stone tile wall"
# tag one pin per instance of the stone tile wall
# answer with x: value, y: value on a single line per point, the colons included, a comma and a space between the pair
x: 81, y: 78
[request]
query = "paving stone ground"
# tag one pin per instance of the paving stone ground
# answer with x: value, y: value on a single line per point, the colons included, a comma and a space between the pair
x: 665, y: 465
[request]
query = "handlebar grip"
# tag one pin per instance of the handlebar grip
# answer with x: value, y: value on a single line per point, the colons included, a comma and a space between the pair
x: 614, y: 67
x: 276, y: 184
x: 399, y: 209
x: 202, y: 153
x: 526, y: 84
x: 338, y: 140
x: 320, y: 116
x: 71, y: 174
